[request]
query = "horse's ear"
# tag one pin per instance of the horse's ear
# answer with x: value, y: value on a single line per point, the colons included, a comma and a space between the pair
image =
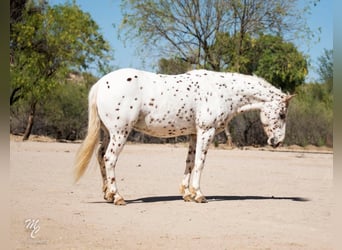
x: 288, y: 98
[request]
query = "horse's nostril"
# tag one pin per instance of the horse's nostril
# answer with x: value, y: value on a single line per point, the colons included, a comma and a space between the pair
x: 272, y: 141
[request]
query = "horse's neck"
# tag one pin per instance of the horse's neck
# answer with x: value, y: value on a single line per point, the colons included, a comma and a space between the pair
x: 249, y: 106
x: 253, y: 92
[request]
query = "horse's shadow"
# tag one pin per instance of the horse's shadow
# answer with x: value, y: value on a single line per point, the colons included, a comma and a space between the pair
x: 213, y: 198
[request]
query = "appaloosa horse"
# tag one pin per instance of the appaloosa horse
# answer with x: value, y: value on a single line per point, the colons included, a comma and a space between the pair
x: 199, y: 103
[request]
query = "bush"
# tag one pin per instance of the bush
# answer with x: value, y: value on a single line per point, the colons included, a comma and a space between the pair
x: 63, y: 116
x: 246, y: 129
x: 310, y: 116
x: 66, y: 114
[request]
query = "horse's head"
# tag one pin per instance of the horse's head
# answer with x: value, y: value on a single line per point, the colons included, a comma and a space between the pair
x: 273, y: 117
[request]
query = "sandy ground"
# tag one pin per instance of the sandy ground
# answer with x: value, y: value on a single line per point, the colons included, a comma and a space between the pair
x: 257, y: 200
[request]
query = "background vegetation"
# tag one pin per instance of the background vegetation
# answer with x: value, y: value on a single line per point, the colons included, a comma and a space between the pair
x: 53, y: 49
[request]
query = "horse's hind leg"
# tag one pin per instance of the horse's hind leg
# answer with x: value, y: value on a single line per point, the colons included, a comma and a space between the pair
x: 190, y: 162
x: 100, y: 157
x: 115, y: 145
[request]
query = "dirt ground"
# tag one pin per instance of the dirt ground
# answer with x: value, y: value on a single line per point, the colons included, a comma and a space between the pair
x: 257, y: 200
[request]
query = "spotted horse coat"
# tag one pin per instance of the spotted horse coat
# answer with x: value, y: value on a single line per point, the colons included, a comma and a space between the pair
x: 199, y: 103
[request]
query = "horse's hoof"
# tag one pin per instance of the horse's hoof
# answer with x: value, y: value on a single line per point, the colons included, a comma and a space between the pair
x: 201, y: 199
x: 109, y: 197
x: 187, y: 198
x: 120, y: 202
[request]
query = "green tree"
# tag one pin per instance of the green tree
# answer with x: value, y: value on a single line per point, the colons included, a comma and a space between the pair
x: 173, y: 66
x: 16, y: 11
x: 225, y: 55
x: 267, y: 56
x: 47, y: 43
x: 279, y: 62
x: 188, y: 29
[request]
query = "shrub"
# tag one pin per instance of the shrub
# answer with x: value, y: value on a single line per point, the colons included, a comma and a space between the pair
x: 246, y: 129
x: 63, y: 116
x: 310, y: 117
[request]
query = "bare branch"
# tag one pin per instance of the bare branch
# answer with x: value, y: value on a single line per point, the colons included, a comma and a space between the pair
x: 188, y: 26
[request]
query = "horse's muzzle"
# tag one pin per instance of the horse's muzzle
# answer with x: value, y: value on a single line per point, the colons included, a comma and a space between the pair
x: 274, y: 143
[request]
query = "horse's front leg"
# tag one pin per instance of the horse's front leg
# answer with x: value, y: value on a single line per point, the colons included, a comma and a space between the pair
x: 190, y: 162
x: 204, y: 138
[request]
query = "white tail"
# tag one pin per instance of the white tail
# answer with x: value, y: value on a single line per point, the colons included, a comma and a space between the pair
x: 86, y: 150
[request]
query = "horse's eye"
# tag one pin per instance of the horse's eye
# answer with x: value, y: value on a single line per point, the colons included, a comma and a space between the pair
x: 282, y: 116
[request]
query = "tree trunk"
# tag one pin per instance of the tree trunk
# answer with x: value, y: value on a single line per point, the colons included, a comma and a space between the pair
x: 30, y: 119
x: 15, y: 96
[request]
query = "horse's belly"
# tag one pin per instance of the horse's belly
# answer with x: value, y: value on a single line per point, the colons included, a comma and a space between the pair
x: 163, y: 127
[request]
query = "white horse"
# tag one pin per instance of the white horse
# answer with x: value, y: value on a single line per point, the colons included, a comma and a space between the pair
x: 199, y: 103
